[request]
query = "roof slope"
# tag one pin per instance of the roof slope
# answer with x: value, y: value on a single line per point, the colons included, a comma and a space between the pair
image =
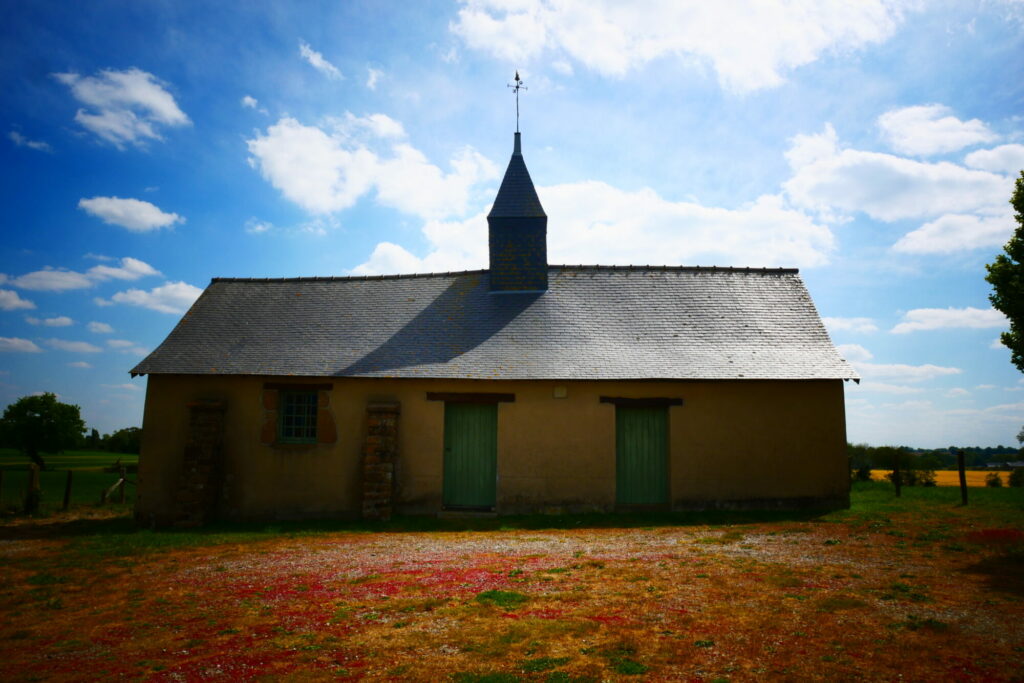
x: 594, y: 323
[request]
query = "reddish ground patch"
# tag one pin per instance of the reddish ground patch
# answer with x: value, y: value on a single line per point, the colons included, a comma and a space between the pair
x: 996, y: 536
x: 834, y: 600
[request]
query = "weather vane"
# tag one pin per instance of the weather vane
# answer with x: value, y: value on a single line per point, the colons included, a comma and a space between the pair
x: 516, y: 88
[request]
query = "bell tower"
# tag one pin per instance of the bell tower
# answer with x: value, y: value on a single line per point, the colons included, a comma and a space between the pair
x: 517, y: 227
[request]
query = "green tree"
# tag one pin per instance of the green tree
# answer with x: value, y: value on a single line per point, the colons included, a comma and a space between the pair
x: 1017, y: 477
x: 127, y: 440
x: 1006, y: 275
x: 41, y: 423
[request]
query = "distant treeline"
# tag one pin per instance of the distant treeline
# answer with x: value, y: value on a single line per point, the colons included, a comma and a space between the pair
x: 127, y: 440
x: 881, y: 457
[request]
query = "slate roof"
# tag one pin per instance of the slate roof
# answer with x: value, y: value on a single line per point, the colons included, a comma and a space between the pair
x: 594, y: 323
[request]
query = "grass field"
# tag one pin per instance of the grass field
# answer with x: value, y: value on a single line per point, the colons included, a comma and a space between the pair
x: 914, y: 588
x: 87, y: 483
x: 951, y: 477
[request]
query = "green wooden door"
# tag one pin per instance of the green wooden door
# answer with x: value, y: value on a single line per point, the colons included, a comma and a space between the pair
x: 470, y: 455
x: 641, y: 454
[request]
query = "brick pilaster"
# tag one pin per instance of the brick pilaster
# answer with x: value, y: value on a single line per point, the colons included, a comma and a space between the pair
x: 380, y: 457
x: 199, y: 485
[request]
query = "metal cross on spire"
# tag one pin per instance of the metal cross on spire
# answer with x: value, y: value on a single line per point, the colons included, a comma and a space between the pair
x: 516, y: 88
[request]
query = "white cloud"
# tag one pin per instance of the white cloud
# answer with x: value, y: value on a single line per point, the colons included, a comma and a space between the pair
x: 806, y: 149
x: 985, y: 386
x: 884, y: 186
x: 79, y: 364
x: 125, y: 346
x: 326, y: 172
x: 254, y: 226
x: 854, y: 352
x: 997, y: 344
x: 134, y: 214
x: 388, y: 257
x: 318, y: 62
x: 931, y: 129
x: 100, y: 328
x: 59, y: 321
x: 956, y: 393
x: 250, y: 102
x: 172, y: 297
x: 10, y: 301
x: 872, y: 387
x: 882, y: 378
x: 52, y: 280
x: 127, y: 106
x: 61, y: 279
x: 129, y: 387
x: 380, y: 125
x: 22, y: 141
x: 862, y: 325
x: 749, y: 44
x: 130, y: 269
x: 410, y: 183
x: 18, y: 345
x: 918, y: 405
x: 592, y: 222
x: 1010, y: 408
x: 940, y: 318
x: 311, y: 168
x: 73, y: 346
x: 1008, y: 159
x: 372, y: 77
x: 899, y: 372
x: 140, y: 351
x: 956, y: 232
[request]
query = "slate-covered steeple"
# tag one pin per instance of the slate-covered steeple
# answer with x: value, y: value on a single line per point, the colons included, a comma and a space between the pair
x: 518, y: 232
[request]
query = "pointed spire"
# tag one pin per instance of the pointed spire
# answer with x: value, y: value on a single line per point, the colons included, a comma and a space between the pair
x: 517, y: 197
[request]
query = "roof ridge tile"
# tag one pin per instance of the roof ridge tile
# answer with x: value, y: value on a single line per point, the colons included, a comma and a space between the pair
x: 564, y: 267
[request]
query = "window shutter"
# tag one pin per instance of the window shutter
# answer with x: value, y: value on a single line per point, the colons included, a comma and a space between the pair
x: 325, y: 429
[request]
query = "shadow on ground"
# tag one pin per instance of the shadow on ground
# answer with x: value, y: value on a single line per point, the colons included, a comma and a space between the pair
x: 1002, y: 573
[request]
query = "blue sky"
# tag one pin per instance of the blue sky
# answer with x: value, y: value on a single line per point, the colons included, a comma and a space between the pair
x: 149, y: 146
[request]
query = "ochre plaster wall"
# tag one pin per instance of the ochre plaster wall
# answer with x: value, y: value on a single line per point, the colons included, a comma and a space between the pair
x: 758, y: 443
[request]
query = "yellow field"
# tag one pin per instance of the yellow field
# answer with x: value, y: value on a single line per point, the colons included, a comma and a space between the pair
x: 950, y: 477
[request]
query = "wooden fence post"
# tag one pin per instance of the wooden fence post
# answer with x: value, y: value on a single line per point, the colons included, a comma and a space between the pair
x: 107, y: 493
x: 67, y: 492
x: 124, y: 485
x: 963, y: 476
x: 32, y: 494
